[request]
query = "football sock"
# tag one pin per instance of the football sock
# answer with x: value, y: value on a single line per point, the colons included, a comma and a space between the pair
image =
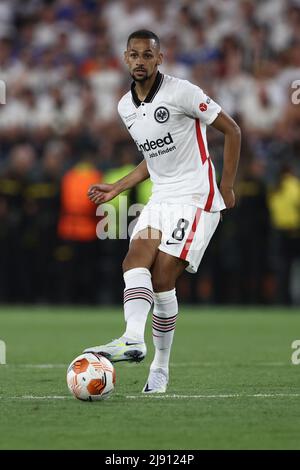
x: 163, y: 327
x: 138, y: 298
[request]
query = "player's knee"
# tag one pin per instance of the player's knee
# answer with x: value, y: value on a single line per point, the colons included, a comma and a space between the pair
x: 130, y: 262
x: 160, y: 284
x: 127, y: 263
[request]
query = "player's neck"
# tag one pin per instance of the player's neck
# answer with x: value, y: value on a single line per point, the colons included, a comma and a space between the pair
x: 142, y: 88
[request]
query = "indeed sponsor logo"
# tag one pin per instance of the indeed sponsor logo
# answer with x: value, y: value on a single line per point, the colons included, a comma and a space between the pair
x: 154, y: 144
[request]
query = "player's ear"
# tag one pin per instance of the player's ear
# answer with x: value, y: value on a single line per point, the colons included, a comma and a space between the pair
x: 126, y: 57
x: 160, y: 58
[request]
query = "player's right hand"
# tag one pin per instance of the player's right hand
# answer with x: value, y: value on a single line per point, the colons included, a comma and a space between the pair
x: 228, y: 196
x: 101, y: 193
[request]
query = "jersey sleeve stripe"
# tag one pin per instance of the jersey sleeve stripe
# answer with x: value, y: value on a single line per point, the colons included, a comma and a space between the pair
x: 200, y: 141
x: 191, y: 235
x: 205, y: 158
x: 211, y: 187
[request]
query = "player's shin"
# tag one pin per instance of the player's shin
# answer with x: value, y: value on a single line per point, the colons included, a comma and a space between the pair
x: 163, y: 327
x: 138, y: 298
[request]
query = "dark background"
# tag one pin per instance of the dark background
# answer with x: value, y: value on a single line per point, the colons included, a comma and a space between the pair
x: 62, y: 65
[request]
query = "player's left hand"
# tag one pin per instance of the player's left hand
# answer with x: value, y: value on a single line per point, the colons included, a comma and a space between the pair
x: 228, y: 196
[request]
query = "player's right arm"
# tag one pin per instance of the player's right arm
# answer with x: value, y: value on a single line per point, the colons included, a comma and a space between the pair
x: 102, y: 192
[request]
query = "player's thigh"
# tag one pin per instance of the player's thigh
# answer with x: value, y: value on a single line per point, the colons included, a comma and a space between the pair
x: 191, y: 235
x: 165, y: 271
x: 143, y: 249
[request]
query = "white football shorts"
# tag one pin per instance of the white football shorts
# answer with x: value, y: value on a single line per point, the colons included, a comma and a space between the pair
x: 186, y: 230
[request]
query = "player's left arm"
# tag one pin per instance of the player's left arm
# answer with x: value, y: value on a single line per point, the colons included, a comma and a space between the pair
x: 193, y: 102
x: 232, y: 147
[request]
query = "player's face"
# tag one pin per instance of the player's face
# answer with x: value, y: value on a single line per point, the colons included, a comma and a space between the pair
x: 142, y: 57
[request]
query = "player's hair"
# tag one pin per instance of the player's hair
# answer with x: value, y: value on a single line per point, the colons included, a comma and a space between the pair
x: 144, y: 34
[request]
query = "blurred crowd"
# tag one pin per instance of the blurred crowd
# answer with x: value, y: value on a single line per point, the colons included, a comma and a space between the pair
x: 62, y: 65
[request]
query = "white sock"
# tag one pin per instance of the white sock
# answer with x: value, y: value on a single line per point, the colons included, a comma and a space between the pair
x: 138, y: 298
x: 163, y: 327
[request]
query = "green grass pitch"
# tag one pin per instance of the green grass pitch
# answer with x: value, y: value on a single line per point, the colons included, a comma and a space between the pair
x: 232, y: 382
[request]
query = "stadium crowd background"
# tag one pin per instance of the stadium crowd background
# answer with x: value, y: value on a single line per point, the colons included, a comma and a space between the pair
x: 62, y: 63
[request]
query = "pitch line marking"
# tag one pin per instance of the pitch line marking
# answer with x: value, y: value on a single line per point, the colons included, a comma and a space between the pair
x: 221, y: 364
x: 175, y: 364
x: 164, y: 397
x: 233, y: 395
x: 33, y: 397
x: 40, y: 366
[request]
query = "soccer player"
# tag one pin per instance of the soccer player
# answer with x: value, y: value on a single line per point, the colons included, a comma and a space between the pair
x: 167, y: 119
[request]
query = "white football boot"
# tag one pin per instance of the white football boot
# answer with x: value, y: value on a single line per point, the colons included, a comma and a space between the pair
x: 157, y: 381
x: 121, y: 349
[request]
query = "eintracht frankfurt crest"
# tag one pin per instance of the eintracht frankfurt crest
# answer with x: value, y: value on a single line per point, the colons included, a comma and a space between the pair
x: 161, y: 114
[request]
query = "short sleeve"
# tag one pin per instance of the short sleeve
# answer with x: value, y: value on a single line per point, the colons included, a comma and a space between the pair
x: 192, y: 101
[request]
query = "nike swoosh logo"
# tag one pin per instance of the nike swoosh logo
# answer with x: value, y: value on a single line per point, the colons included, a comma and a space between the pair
x: 130, y: 125
x: 130, y: 344
x: 172, y: 243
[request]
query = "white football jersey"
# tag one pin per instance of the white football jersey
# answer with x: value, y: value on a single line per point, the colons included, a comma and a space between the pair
x: 169, y: 127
